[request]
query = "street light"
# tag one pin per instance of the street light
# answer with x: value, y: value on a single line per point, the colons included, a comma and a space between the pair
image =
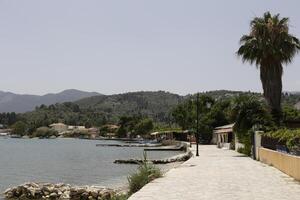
x: 197, y: 131
x: 208, y: 105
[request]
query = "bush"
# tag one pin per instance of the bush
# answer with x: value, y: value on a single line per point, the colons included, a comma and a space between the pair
x: 44, y: 132
x: 291, y: 138
x: 145, y: 174
x: 120, y: 197
x: 77, y: 133
x: 19, y: 128
x: 245, y: 139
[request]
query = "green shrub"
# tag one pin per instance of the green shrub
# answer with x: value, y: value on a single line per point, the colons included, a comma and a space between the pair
x: 245, y: 150
x: 77, y: 133
x: 19, y: 128
x: 290, y: 137
x: 44, y: 132
x: 145, y: 174
x: 120, y: 197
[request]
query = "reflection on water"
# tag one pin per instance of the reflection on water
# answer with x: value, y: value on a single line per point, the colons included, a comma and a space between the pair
x: 72, y: 161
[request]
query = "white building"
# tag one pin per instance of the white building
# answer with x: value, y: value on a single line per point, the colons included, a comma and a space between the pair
x: 59, y: 127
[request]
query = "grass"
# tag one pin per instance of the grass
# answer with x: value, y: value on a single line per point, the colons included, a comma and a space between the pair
x: 145, y: 174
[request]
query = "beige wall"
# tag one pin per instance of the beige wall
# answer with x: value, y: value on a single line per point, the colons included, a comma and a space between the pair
x: 60, y: 128
x: 286, y: 163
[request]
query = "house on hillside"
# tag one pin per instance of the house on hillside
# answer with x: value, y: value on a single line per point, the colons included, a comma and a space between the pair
x: 59, y: 127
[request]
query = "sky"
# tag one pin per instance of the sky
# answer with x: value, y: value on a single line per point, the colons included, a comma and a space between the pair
x: 118, y: 46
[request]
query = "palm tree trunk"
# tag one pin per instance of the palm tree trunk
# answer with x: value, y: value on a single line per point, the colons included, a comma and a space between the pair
x: 270, y: 76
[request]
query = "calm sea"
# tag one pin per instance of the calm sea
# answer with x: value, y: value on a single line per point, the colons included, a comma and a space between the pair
x: 72, y: 161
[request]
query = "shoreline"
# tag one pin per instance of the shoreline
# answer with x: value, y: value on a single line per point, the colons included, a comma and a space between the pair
x: 122, y: 185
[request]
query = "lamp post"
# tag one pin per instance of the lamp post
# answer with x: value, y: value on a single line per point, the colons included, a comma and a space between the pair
x: 208, y: 105
x: 197, y: 130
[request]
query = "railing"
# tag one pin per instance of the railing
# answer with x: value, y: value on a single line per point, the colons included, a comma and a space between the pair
x: 286, y: 163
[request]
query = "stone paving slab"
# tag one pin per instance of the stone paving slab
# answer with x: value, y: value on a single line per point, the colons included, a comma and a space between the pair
x: 219, y: 174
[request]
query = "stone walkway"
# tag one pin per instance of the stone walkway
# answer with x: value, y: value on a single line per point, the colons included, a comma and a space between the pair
x: 221, y: 174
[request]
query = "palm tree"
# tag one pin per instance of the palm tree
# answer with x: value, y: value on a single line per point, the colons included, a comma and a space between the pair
x: 270, y: 45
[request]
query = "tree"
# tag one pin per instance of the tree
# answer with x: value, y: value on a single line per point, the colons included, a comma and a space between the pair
x: 127, y: 125
x: 19, y: 128
x: 144, y: 126
x: 186, y: 117
x: 184, y: 114
x: 248, y: 111
x: 270, y: 45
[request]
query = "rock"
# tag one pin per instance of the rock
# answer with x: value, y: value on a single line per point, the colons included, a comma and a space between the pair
x: 48, y: 191
x: 91, y: 198
x: 94, y: 193
x: 53, y: 195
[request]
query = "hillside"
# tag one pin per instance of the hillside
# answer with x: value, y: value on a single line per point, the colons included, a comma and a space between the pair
x: 19, y: 103
x: 103, y: 109
x: 156, y: 105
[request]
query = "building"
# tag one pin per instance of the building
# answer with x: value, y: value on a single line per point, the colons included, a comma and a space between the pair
x: 59, y: 127
x: 223, y: 136
x: 1, y: 126
x: 171, y: 135
x: 72, y: 128
x: 5, y: 132
x: 93, y: 132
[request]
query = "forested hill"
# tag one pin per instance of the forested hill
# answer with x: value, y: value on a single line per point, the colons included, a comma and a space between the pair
x: 98, y: 110
x: 156, y: 105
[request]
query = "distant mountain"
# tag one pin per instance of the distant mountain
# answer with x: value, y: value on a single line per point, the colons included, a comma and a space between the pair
x: 11, y: 102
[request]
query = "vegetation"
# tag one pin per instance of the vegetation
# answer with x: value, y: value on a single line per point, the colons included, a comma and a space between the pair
x: 8, y: 119
x: 248, y: 111
x: 270, y: 45
x: 19, y: 128
x: 290, y: 113
x: 134, y: 125
x: 212, y: 113
x: 291, y: 138
x: 120, y: 197
x: 77, y: 133
x: 44, y: 132
x: 167, y: 111
x: 154, y: 105
x: 145, y: 174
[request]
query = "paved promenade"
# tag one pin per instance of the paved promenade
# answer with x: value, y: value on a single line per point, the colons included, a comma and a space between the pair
x: 221, y: 175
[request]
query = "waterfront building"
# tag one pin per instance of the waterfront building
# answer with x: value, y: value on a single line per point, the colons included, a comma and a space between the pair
x: 59, y: 127
x: 223, y: 136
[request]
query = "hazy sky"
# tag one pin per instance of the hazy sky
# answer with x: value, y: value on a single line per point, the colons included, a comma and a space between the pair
x: 182, y: 46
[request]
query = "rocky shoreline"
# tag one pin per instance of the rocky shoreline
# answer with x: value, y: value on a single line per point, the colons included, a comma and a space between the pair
x: 49, y: 191
x: 179, y: 158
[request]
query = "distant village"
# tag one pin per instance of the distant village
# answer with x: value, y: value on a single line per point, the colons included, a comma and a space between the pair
x: 64, y: 130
